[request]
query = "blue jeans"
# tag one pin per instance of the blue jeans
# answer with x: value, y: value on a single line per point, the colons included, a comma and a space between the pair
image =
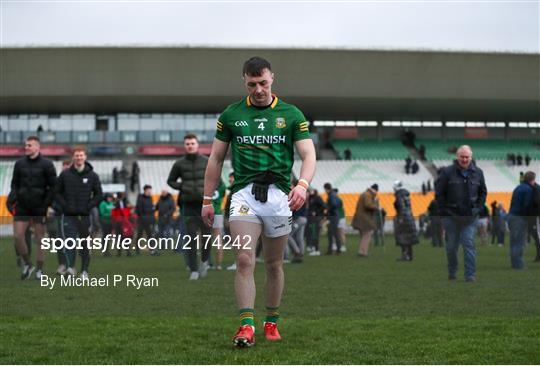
x: 460, y: 233
x: 518, y: 237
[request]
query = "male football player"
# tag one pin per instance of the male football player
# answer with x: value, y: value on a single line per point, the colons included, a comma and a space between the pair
x: 263, y: 131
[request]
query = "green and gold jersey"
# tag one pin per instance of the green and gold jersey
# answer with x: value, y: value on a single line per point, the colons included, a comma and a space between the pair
x: 217, y: 198
x: 262, y: 139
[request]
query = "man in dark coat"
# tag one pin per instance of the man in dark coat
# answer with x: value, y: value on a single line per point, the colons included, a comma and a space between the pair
x: 333, y: 204
x: 521, y: 207
x: 316, y: 208
x: 32, y: 188
x: 405, y: 229
x: 144, y: 208
x: 435, y: 224
x: 165, y: 207
x: 190, y: 169
x: 78, y: 190
x: 461, y: 192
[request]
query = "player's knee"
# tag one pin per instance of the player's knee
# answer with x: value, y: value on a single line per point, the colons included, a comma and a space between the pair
x: 245, y: 263
x: 274, y: 266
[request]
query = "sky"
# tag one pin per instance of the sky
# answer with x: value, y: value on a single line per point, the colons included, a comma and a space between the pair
x: 492, y: 26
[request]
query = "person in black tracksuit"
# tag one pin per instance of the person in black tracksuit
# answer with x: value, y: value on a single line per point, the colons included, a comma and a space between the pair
x: 144, y: 208
x: 191, y: 169
x: 32, y: 186
x: 78, y: 190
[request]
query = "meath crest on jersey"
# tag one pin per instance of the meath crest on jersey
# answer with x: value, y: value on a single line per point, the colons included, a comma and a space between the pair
x: 243, y: 210
x: 280, y: 122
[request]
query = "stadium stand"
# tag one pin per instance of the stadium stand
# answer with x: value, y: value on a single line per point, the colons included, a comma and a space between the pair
x: 482, y: 149
x: 357, y: 175
x: 372, y: 149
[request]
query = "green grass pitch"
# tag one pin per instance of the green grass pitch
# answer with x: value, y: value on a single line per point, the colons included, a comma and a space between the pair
x: 335, y: 310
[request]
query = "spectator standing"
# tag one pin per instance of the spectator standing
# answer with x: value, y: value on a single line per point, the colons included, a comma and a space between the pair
x: 521, y: 207
x: 78, y: 190
x: 135, y: 176
x: 190, y: 169
x: 415, y: 167
x: 165, y: 208
x: 404, y: 225
x: 422, y: 152
x: 333, y: 204
x: 502, y: 220
x: 493, y: 219
x: 105, y: 212
x: 348, y: 154
x: 435, y: 224
x: 316, y: 208
x: 32, y: 189
x: 461, y: 192
x: 364, y: 218
x: 527, y: 159
x: 408, y: 162
x: 144, y: 208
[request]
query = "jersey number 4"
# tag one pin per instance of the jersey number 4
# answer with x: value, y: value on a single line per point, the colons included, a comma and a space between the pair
x: 261, y: 126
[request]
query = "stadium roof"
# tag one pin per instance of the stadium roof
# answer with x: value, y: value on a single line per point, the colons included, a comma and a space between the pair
x: 325, y: 83
x: 270, y: 47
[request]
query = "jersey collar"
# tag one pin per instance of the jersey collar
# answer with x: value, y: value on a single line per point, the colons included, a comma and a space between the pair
x: 274, y: 103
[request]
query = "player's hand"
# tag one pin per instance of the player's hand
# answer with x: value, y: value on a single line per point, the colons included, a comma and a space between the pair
x: 207, y: 214
x: 297, y: 197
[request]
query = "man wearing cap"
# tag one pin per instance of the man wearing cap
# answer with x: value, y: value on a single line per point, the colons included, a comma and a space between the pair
x: 364, y: 218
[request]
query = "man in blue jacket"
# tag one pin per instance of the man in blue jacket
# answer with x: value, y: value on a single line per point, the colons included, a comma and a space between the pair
x: 520, y: 208
x: 460, y: 192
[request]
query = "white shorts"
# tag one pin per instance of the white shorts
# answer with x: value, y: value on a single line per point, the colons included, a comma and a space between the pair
x: 274, y: 215
x: 342, y: 224
x: 218, y: 222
